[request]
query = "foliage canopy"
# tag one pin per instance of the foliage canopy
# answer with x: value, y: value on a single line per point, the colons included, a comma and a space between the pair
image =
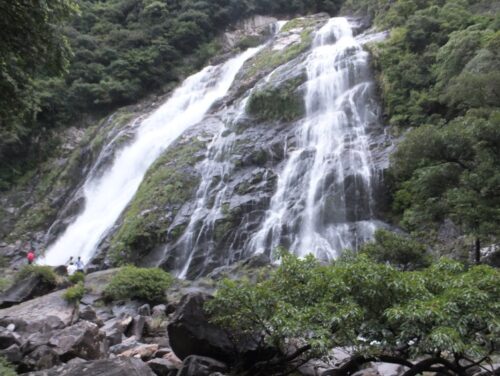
x: 445, y: 312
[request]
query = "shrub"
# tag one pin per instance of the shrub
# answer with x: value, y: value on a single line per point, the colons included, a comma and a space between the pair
x: 75, y: 293
x: 77, y: 278
x: 4, y: 283
x: 45, y: 272
x: 399, y: 251
x: 6, y: 369
x: 131, y: 282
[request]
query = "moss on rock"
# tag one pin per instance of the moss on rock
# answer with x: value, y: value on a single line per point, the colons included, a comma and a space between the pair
x: 169, y: 182
x: 278, y: 103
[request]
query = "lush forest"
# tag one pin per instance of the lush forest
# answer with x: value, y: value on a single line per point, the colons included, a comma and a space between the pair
x: 62, y: 61
x: 439, y: 74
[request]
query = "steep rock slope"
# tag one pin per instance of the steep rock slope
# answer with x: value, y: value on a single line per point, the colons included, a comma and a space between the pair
x: 205, y: 198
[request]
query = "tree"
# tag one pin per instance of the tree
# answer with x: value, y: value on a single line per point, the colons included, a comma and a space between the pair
x: 451, y: 172
x: 445, y: 315
x: 31, y: 43
x: 402, y: 252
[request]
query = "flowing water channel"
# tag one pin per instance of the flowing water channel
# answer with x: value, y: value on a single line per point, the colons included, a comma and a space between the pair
x: 107, y: 196
x: 323, y: 202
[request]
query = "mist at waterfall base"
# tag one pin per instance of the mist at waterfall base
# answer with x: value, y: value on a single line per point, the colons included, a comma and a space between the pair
x: 323, y: 202
x: 107, y: 196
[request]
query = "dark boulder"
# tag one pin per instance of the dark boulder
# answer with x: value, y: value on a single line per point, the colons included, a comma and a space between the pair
x: 12, y: 353
x: 87, y: 313
x: 115, y: 328
x: 161, y: 367
x: 201, y: 366
x: 82, y: 340
x: 144, y: 310
x: 26, y: 289
x: 42, y: 357
x: 137, y: 327
x: 108, y: 367
x: 8, y: 338
x: 191, y: 333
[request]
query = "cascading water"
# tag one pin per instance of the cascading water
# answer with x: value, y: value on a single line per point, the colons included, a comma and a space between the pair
x: 214, y: 171
x: 323, y: 202
x: 106, y: 196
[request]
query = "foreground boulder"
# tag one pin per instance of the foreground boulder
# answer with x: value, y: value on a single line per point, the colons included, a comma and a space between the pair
x: 108, y: 367
x: 26, y: 289
x: 49, y: 310
x: 82, y: 340
x: 201, y: 366
x: 191, y: 333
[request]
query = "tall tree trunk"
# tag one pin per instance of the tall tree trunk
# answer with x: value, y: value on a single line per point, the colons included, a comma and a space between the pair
x: 477, y: 250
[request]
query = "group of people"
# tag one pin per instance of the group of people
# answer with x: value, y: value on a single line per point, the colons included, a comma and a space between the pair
x: 74, y: 266
x: 71, y: 266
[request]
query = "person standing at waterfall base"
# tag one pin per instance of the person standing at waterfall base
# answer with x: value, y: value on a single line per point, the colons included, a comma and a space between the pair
x: 79, y: 265
x: 31, y: 256
x: 71, y: 269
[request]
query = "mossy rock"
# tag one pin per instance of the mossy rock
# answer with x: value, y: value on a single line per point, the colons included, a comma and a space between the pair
x: 282, y: 103
x: 270, y: 57
x: 169, y: 183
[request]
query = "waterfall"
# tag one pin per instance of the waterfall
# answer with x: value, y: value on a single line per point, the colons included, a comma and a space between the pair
x: 199, y: 234
x: 323, y: 202
x: 107, y: 196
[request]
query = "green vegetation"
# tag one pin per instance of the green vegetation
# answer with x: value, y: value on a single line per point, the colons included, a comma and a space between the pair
x: 77, y: 278
x: 169, y: 182
x: 278, y: 103
x: 74, y: 293
x: 147, y: 284
x: 401, y: 252
x: 6, y: 369
x: 46, y: 273
x: 32, y: 45
x: 268, y: 59
x: 439, y: 73
x: 445, y: 313
x: 4, y: 284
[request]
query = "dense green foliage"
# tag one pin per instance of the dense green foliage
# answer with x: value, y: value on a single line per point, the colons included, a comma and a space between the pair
x: 444, y: 311
x: 6, y: 369
x: 278, y: 103
x: 454, y: 173
x: 74, y: 293
x: 440, y: 71
x: 32, y: 45
x: 122, y: 50
x: 77, y: 278
x: 130, y: 282
x: 46, y: 273
x: 399, y: 251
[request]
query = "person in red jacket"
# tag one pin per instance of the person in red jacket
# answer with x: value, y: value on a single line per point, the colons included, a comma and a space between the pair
x: 31, y: 256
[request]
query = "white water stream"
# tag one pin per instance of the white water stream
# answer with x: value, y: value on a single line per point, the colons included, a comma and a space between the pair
x: 323, y: 202
x: 107, y: 196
